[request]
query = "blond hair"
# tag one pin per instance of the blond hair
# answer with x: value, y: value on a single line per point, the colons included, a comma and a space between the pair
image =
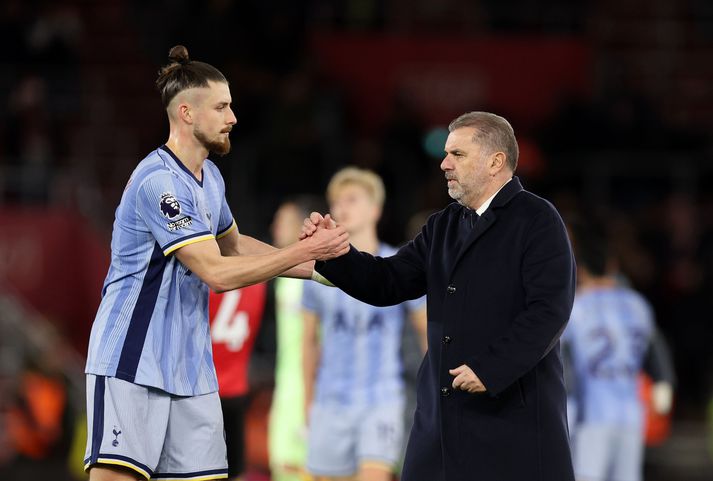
x: 367, y: 179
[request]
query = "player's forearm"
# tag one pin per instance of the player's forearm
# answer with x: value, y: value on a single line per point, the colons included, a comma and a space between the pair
x: 240, y: 271
x: 310, y: 359
x: 309, y: 369
x: 252, y: 246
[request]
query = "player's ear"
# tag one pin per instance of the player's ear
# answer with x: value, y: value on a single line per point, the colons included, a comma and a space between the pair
x: 185, y: 113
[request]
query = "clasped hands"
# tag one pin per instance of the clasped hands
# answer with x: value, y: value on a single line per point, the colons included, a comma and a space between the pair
x: 330, y: 240
x: 314, y: 222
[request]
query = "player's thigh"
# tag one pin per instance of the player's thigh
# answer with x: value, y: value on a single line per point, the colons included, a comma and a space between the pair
x: 126, y: 424
x: 380, y: 438
x: 629, y: 455
x: 195, y: 445
x: 592, y: 451
x: 331, y: 442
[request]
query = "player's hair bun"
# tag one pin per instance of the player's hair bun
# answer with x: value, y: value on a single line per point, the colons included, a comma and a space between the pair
x: 182, y: 73
x: 179, y: 54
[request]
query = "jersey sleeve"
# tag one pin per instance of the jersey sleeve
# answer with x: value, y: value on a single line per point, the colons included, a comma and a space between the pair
x: 167, y: 207
x: 226, y: 223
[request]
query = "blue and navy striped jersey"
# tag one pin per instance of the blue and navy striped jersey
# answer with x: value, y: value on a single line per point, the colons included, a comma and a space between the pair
x: 360, y: 363
x: 607, y: 337
x: 152, y: 324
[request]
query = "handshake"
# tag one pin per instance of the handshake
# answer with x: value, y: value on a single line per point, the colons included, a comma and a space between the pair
x: 324, y: 237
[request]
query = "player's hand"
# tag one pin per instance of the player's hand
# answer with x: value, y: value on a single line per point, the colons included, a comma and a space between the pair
x: 315, y: 221
x: 466, y: 380
x: 328, y: 243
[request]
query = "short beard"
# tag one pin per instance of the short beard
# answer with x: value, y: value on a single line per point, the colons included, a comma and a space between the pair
x: 215, y: 146
x: 460, y: 196
x: 456, y: 194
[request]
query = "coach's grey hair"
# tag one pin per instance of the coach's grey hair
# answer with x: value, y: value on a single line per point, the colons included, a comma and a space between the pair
x: 492, y: 131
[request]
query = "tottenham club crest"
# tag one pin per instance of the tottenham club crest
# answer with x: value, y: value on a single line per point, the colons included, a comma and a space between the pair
x: 169, y: 205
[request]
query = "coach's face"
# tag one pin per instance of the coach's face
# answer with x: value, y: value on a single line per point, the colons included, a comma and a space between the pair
x: 213, y: 117
x: 466, y: 167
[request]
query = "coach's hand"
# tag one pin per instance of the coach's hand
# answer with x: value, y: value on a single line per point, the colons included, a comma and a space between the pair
x: 466, y: 380
x: 327, y: 244
x: 315, y: 221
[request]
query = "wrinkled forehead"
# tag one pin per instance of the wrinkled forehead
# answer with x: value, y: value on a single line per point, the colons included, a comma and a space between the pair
x: 461, y: 139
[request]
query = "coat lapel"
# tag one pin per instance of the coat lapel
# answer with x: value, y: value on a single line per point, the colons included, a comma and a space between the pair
x: 484, y: 223
x: 488, y: 218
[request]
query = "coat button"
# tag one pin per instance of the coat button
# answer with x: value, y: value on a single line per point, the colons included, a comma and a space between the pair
x: 446, y: 339
x: 445, y: 392
x: 451, y: 289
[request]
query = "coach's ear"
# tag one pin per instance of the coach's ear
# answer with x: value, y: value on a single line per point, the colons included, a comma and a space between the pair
x: 496, y: 162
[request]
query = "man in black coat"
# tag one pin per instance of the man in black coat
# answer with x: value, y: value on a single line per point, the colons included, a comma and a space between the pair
x: 500, y: 276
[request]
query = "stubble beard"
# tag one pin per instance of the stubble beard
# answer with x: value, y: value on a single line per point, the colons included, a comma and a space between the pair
x: 459, y: 194
x: 218, y: 147
x: 455, y: 193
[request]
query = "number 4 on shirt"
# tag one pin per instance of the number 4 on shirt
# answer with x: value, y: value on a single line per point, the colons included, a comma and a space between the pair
x: 229, y: 327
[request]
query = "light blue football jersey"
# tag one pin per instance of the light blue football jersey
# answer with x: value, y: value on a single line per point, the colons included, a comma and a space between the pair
x: 152, y: 324
x: 607, y: 337
x: 360, y: 361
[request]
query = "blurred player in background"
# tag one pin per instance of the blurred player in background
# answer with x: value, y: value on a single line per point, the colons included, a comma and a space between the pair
x: 236, y: 318
x: 610, y: 338
x: 353, y: 372
x: 287, y: 443
x: 152, y: 404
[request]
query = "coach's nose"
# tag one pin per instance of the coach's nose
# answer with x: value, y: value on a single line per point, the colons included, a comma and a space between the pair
x: 446, y: 163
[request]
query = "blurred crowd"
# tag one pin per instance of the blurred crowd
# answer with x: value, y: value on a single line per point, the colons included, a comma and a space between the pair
x: 79, y: 111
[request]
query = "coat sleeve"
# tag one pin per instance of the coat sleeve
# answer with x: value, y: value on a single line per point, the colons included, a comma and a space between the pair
x: 548, y: 278
x: 381, y: 281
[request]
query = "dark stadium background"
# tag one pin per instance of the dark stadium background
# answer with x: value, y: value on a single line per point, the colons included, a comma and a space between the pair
x: 612, y: 102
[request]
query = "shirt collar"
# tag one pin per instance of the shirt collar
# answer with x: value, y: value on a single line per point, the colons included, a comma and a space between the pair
x: 484, y: 206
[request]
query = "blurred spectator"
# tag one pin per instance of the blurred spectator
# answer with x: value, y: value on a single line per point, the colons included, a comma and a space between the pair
x: 236, y: 320
x: 38, y: 397
x: 353, y: 370
x: 610, y: 339
x: 287, y: 429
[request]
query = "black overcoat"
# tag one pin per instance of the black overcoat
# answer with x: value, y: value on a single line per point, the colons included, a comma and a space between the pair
x: 499, y: 296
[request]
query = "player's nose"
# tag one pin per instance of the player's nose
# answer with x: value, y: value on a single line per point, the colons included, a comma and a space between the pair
x: 232, y: 120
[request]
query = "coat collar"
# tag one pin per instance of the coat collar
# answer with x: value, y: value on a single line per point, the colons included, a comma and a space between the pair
x: 506, y: 194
